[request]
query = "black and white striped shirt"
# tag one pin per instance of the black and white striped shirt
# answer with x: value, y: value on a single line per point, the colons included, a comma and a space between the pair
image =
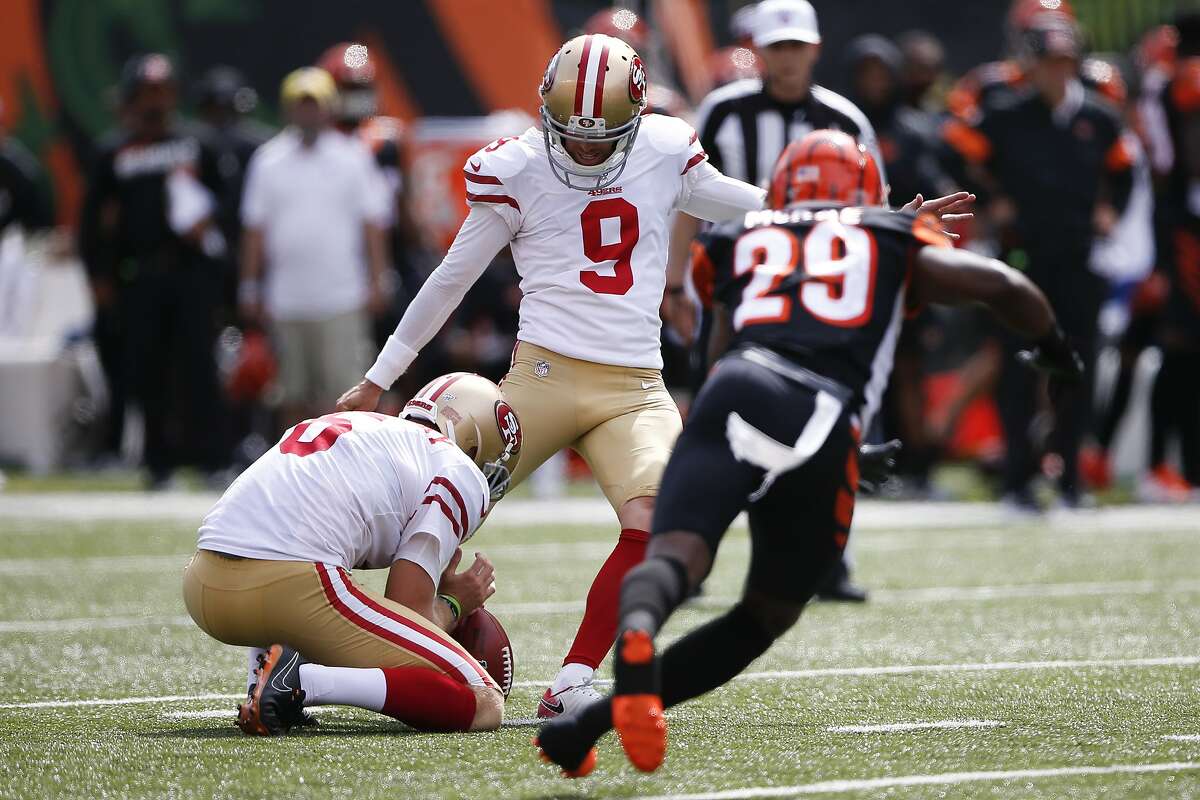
x: 743, y: 129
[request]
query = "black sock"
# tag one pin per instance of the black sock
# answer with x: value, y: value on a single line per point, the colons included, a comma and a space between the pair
x: 712, y: 655
x: 650, y: 592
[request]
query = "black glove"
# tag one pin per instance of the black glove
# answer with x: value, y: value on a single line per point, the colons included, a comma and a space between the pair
x: 875, y: 464
x: 1053, y: 355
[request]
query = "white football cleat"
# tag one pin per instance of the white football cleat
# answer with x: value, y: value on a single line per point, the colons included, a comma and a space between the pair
x: 566, y: 701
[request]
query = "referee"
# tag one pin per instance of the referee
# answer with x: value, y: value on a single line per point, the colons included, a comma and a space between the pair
x: 744, y: 126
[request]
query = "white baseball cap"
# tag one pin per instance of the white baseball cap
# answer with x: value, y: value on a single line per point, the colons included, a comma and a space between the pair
x: 785, y: 21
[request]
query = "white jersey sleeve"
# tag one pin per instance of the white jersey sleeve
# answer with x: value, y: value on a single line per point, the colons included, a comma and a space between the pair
x: 483, y: 234
x: 703, y: 191
x: 448, y: 515
x: 492, y: 174
x: 678, y: 143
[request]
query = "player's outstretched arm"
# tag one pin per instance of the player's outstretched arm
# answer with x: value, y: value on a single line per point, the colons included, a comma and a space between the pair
x: 715, y: 197
x: 955, y: 277
x: 481, y: 237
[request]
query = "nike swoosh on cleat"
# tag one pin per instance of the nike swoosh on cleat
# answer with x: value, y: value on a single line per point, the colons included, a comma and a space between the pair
x: 287, y: 668
x: 476, y: 164
x: 557, y: 708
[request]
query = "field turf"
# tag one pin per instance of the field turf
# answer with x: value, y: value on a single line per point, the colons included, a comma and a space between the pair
x: 998, y: 659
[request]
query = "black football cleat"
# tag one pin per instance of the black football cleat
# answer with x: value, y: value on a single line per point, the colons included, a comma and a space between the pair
x: 276, y: 701
x: 302, y: 720
x: 838, y: 587
x: 842, y: 592
x: 561, y: 742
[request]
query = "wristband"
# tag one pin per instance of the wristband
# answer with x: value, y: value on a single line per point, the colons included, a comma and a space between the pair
x: 674, y: 290
x: 455, y: 606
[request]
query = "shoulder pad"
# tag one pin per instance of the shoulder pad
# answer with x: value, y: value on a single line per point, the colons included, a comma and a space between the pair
x: 503, y: 158
x: 668, y: 135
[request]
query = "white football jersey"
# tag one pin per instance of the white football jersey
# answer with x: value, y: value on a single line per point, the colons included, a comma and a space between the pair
x: 592, y: 263
x: 354, y: 489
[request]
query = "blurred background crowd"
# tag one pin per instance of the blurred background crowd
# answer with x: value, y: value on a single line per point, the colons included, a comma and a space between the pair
x: 211, y: 214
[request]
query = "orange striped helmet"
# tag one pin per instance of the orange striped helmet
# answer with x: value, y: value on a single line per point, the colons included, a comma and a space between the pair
x: 826, y: 165
x: 594, y: 91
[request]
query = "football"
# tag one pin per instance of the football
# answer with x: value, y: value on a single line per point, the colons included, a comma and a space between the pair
x: 484, y: 637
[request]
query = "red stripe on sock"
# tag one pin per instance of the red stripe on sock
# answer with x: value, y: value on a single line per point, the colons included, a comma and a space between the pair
x: 427, y: 700
x: 599, y: 626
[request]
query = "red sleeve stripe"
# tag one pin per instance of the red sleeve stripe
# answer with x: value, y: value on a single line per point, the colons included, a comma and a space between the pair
x: 458, y: 500
x: 488, y: 179
x: 693, y: 161
x: 493, y: 198
x: 436, y: 498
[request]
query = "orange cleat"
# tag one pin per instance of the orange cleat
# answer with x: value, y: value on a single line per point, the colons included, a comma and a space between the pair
x: 639, y: 720
x: 1094, y: 468
x: 1164, y: 484
x: 583, y: 770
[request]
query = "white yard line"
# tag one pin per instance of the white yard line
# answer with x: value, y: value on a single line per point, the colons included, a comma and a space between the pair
x: 88, y: 623
x: 900, y: 727
x: 915, y: 669
x: 708, y: 602
x: 210, y: 713
x: 944, y: 779
x: 908, y: 669
x: 528, y: 722
x: 124, y: 701
x: 869, y: 514
x: 1186, y: 737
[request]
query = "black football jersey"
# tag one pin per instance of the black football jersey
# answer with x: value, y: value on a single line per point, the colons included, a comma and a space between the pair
x: 823, y: 286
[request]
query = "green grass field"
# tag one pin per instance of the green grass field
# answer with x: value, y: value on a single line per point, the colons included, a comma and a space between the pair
x: 1049, y: 653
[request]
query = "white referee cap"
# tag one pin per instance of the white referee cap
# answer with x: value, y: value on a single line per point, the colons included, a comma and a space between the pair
x: 785, y: 21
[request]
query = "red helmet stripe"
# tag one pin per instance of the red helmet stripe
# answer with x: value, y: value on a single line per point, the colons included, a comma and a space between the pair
x: 598, y: 102
x: 445, y: 385
x: 582, y: 79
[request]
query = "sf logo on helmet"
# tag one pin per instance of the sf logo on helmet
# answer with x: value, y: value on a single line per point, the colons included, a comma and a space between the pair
x: 637, y: 80
x: 548, y: 78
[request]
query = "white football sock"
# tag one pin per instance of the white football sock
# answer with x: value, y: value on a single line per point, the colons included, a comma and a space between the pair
x: 571, y: 675
x: 252, y: 654
x: 343, y: 686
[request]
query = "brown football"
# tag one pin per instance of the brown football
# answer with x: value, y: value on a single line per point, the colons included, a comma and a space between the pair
x: 483, y: 636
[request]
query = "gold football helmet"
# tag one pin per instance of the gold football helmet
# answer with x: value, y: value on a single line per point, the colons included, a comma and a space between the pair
x: 594, y: 91
x: 469, y: 410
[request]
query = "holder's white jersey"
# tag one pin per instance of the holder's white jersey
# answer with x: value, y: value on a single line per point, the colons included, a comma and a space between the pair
x: 592, y: 263
x: 354, y: 489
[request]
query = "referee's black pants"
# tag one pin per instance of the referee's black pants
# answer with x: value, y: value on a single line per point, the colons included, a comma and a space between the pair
x: 1076, y: 295
x: 170, y: 363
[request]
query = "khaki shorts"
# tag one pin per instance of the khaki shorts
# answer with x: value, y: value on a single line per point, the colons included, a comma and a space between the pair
x: 320, y: 611
x: 622, y: 420
x: 320, y: 358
